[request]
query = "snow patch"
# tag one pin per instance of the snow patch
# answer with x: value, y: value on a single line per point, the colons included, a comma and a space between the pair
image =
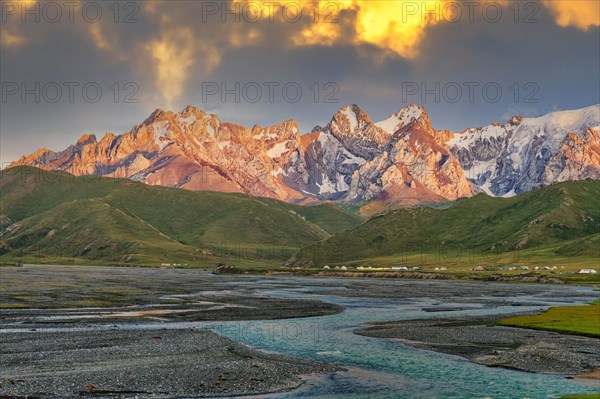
x: 352, y: 159
x: 400, y: 119
x: 277, y: 150
x: 472, y: 136
x: 351, y: 117
x: 210, y: 130
x: 187, y: 121
x: 160, y: 130
x: 328, y: 187
x: 262, y: 135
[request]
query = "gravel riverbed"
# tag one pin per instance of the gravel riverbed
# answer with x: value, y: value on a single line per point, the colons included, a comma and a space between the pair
x: 142, y: 364
x: 479, y: 340
x: 100, y: 332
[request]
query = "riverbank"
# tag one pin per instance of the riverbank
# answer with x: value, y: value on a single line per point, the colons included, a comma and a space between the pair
x: 431, y: 273
x: 426, y: 273
x: 187, y: 363
x: 480, y: 340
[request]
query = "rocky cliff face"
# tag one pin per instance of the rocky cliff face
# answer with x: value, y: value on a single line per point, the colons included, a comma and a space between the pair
x: 400, y: 160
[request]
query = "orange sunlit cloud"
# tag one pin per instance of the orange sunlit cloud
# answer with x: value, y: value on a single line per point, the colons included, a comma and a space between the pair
x: 399, y: 26
x: 580, y: 14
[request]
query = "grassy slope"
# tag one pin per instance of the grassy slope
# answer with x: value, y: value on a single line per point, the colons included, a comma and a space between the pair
x: 329, y: 217
x: 581, y: 320
x: 57, y: 210
x: 560, y: 222
x: 92, y: 230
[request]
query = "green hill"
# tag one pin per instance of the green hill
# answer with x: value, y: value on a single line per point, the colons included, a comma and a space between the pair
x: 54, y: 217
x: 556, y: 222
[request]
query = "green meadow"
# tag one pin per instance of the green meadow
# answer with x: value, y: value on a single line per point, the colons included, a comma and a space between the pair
x: 580, y: 320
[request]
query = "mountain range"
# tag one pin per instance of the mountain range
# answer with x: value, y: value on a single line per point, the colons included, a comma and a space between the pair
x: 400, y: 161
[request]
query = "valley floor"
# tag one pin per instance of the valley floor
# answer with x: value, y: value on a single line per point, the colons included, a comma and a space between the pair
x: 59, y: 336
x: 104, y: 332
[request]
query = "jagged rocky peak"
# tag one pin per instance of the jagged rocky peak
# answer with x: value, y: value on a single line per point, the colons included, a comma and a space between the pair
x: 40, y: 151
x: 286, y: 130
x: 350, y: 119
x: 289, y: 124
x: 86, y: 139
x: 190, y: 114
x: 516, y: 120
x: 191, y: 109
x: 35, y: 158
x: 157, y: 114
x: 415, y: 128
x: 418, y: 117
x: 108, y: 137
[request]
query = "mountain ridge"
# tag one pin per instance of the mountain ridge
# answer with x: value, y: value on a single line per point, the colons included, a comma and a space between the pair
x: 400, y: 161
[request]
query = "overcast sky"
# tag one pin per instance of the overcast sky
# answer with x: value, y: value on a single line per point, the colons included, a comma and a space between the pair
x: 477, y: 62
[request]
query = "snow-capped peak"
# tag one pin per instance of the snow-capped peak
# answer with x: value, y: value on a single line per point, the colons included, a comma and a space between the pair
x: 523, y: 153
x: 401, y: 118
x: 566, y: 120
